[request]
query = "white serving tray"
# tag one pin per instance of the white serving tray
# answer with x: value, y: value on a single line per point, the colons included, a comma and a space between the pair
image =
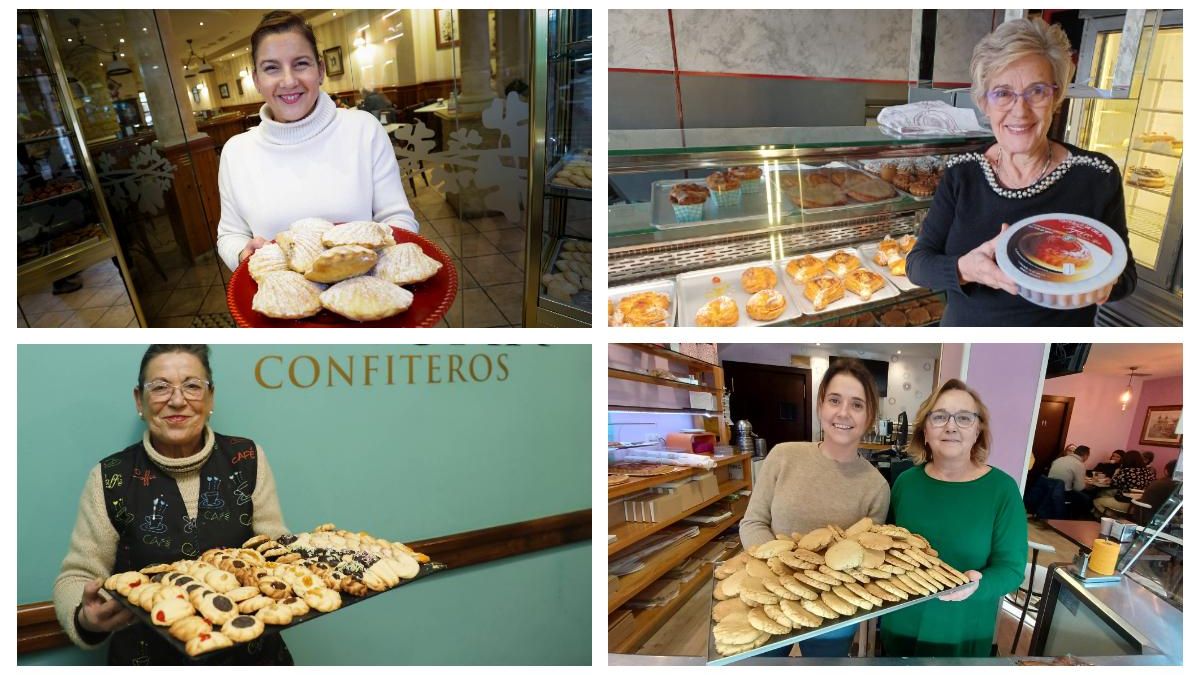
x: 849, y: 300
x: 662, y: 286
x: 697, y: 288
x: 867, y: 253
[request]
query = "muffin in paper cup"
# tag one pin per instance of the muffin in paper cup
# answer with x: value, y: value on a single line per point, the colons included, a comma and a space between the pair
x: 750, y: 177
x: 728, y: 197
x: 688, y: 213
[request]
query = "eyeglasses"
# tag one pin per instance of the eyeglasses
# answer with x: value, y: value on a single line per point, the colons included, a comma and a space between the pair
x: 161, y: 390
x: 1038, y: 95
x: 962, y: 420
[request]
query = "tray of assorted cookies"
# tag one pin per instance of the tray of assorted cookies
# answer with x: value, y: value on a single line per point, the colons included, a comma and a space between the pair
x: 807, y: 584
x: 750, y: 294
x: 827, y: 281
x: 234, y: 595
x: 889, y: 258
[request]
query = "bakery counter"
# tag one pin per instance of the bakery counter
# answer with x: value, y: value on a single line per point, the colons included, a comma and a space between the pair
x: 1139, y: 660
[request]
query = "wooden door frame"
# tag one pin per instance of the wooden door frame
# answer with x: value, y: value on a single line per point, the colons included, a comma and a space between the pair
x: 1070, y: 403
x: 806, y: 373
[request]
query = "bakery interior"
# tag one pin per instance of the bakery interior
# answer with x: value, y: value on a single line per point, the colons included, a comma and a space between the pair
x: 689, y: 426
x: 503, y: 557
x: 122, y: 115
x: 696, y: 92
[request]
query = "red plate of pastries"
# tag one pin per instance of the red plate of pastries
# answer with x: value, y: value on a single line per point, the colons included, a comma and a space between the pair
x: 432, y: 298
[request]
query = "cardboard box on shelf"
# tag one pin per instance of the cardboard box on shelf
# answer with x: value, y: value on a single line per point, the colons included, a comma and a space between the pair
x: 616, y: 513
x: 721, y: 473
x: 657, y: 507
x: 620, y: 627
x: 707, y: 484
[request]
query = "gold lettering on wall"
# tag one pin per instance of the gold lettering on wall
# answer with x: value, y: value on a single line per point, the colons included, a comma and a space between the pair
x: 307, y: 370
x: 258, y: 368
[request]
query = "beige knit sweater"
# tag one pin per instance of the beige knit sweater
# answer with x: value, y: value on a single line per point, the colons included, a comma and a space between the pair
x: 94, y: 541
x: 798, y: 489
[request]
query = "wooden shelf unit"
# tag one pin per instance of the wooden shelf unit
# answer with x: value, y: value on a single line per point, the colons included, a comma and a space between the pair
x: 648, y: 620
x: 631, y: 533
x: 638, y: 484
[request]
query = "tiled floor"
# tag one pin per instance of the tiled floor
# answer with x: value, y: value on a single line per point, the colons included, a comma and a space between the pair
x: 488, y: 252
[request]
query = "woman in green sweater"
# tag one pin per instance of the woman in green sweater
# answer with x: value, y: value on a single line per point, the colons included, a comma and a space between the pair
x: 971, y: 513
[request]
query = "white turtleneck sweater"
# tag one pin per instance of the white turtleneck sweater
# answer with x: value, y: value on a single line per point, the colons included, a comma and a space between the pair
x: 94, y: 541
x: 334, y: 164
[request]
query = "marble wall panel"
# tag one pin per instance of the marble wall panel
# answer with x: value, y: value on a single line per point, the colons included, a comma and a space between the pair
x: 639, y: 38
x: 958, y: 31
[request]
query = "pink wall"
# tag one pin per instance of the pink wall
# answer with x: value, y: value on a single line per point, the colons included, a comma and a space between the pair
x: 951, y: 362
x: 1007, y: 377
x: 1097, y: 420
x: 1163, y: 391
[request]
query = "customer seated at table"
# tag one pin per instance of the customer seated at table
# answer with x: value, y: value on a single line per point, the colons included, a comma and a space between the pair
x: 1157, y: 492
x: 1148, y: 457
x: 1109, y: 467
x: 1070, y: 470
x: 1132, y: 475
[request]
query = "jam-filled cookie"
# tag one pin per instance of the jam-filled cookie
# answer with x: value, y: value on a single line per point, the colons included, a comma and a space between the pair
x: 171, y: 610
x: 243, y: 628
x: 294, y: 605
x: 273, y: 587
x: 189, y: 627
x: 128, y: 581
x: 207, y: 642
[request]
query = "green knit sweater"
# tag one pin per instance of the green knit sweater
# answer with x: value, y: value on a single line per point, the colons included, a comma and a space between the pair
x: 974, y: 525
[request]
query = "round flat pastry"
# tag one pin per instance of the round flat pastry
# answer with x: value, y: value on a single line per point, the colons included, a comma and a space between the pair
x: 875, y: 541
x: 752, y: 588
x: 323, y: 599
x: 837, y: 604
x: 795, y: 587
x: 815, y: 540
x: 889, y: 587
x: 318, y: 225
x: 874, y: 573
x: 256, y: 540
x: 731, y: 585
x: 859, y: 576
x: 207, y: 642
x: 892, y: 559
x: 877, y: 591
x: 759, y: 619
x: 836, y: 574
x: 823, y: 578
x: 242, y: 593
x: 297, y: 606
x: 275, y: 614
x: 820, y: 609
x: 254, y: 604
x: 273, y: 587
x: 871, y: 558
x: 758, y: 568
x: 171, y: 610
x: 366, y: 299
x: 360, y: 233
x: 800, y: 617
x: 790, y: 559
x: 301, y: 249
x: 405, y: 264
x: 775, y: 587
x: 243, y: 628
x: 341, y: 262
x: 941, y: 577
x: 862, y: 525
x: 851, y: 597
x: 221, y: 581
x: 864, y: 594
x: 777, y: 566
x: 771, y: 548
x: 189, y: 627
x: 267, y: 259
x: 725, y: 608
x: 735, y: 630
x: 809, y: 581
x: 287, y: 295
x: 776, y: 614
x: 923, y: 575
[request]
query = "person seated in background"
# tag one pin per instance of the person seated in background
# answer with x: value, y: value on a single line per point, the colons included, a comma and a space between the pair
x: 1110, y: 467
x: 1070, y: 470
x: 1132, y: 475
x: 1148, y: 456
x: 1157, y: 492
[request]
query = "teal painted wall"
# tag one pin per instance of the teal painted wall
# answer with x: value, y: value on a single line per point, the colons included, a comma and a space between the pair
x: 402, y: 461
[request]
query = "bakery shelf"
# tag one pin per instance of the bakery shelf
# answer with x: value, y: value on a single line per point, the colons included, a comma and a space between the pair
x: 1167, y: 111
x: 619, y: 374
x: 50, y: 199
x: 1148, y: 151
x: 652, y: 409
x: 646, y: 621
x: 44, y: 270
x: 655, y: 350
x: 631, y: 533
x: 638, y: 484
x: 663, y: 561
x: 1164, y: 191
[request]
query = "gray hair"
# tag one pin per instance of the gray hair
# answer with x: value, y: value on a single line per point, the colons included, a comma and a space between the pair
x: 1014, y: 40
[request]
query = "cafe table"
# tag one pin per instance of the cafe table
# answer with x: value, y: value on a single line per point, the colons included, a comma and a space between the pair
x: 1080, y: 532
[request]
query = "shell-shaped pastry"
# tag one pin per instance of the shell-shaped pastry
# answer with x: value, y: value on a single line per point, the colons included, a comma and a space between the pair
x: 287, y: 295
x: 405, y: 264
x: 360, y: 233
x: 318, y: 225
x: 302, y: 249
x: 366, y: 298
x: 341, y: 262
x: 269, y: 258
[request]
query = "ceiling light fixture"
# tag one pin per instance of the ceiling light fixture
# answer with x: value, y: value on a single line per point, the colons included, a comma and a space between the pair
x: 1127, y: 395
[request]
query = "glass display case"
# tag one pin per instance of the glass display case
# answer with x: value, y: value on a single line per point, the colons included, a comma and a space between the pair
x: 1143, y: 134
x: 558, y: 288
x: 63, y: 226
x: 884, y: 189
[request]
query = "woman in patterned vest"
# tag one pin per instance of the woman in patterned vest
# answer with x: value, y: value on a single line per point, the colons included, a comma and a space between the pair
x: 181, y: 490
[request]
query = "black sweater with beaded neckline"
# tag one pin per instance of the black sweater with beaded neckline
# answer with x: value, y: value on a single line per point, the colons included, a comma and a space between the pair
x: 970, y: 205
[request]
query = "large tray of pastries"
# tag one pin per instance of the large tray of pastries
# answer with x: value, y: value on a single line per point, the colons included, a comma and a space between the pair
x: 918, y: 178
x: 231, y: 596
x: 834, y: 186
x: 749, y: 294
x: 567, y: 276
x: 829, y: 281
x: 360, y: 274
x: 888, y: 257
x: 805, y: 584
x: 650, y: 304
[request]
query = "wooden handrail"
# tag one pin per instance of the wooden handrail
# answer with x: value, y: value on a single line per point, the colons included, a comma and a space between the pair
x: 38, y: 629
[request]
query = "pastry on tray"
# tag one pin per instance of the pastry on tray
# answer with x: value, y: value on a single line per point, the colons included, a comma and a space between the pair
x: 824, y: 290
x: 360, y: 233
x: 842, y: 263
x: 919, y: 316
x: 863, y: 282
x: 366, y: 299
x: 893, y: 317
x: 405, y: 264
x: 726, y: 188
x: 267, y: 259
x: 867, y: 188
x: 341, y: 262
x: 721, y: 311
x: 755, y: 279
x: 818, y: 196
x: 287, y: 295
x: 687, y: 201
x: 749, y: 176
x: 647, y: 308
x: 766, y: 305
x: 804, y: 268
x: 1145, y: 176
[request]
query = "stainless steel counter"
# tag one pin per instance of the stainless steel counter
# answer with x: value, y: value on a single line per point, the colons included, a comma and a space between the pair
x: 636, y: 660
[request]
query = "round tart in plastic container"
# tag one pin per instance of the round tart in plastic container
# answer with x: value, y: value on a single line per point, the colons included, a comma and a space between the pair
x: 1061, y: 260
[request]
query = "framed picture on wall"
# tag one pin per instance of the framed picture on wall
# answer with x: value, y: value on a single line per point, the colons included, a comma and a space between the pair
x: 333, y: 61
x: 224, y: 89
x: 445, y: 22
x: 1159, y: 426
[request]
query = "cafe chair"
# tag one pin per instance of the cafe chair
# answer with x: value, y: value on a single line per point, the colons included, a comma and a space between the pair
x: 1035, y: 577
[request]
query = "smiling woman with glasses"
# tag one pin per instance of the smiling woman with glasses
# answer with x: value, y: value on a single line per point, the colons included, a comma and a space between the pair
x: 1020, y: 73
x: 971, y: 513
x: 180, y: 491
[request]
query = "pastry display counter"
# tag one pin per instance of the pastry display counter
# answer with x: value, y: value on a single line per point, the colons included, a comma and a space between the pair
x: 802, y: 190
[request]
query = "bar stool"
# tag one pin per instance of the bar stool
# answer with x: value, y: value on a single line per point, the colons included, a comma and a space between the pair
x: 1035, y: 577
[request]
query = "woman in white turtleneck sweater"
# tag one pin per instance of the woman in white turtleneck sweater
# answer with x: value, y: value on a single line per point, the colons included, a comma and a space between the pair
x: 307, y: 158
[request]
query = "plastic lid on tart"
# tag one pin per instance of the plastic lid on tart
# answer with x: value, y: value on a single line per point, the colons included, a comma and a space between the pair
x: 1061, y: 260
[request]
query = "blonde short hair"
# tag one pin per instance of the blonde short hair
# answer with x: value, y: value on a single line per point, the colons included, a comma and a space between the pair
x: 1014, y: 40
x: 919, y: 450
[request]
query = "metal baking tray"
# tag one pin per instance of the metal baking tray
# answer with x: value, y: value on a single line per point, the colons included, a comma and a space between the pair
x: 867, y: 253
x: 662, y: 286
x: 715, y: 659
x: 804, y: 168
x: 582, y: 299
x: 697, y: 288
x: 754, y: 205
x: 848, y: 300
x: 347, y: 600
x: 573, y: 190
x: 871, y: 166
